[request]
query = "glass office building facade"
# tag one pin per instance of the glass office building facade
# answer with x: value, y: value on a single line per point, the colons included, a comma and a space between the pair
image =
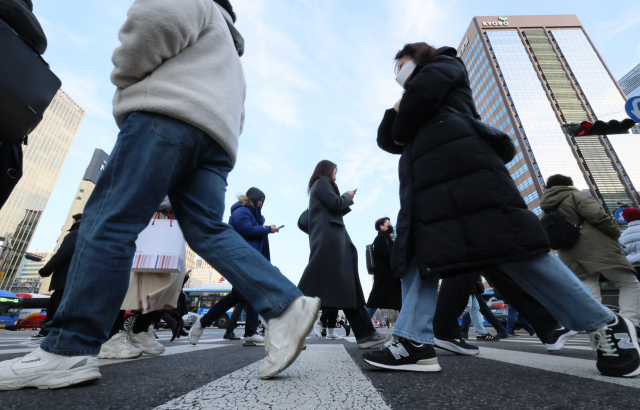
x: 630, y: 84
x: 44, y: 156
x: 532, y: 74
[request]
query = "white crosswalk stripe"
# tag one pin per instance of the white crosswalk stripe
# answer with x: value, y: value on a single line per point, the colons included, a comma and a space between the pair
x: 323, y: 375
x: 168, y: 351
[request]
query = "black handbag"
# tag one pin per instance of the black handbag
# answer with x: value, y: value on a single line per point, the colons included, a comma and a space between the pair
x: 499, y: 141
x: 10, y: 169
x: 27, y: 87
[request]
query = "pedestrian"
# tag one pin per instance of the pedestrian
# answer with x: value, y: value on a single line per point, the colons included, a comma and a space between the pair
x: 58, y: 267
x: 332, y: 272
x: 179, y: 104
x: 597, y: 251
x: 461, y: 211
x: 386, y: 292
x: 478, y: 313
x: 630, y: 238
x: 233, y: 321
x: 246, y: 219
x: 512, y: 315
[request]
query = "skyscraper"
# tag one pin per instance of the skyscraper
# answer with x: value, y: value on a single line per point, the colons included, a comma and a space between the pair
x: 531, y: 74
x: 630, y: 84
x: 28, y: 278
x: 44, y: 156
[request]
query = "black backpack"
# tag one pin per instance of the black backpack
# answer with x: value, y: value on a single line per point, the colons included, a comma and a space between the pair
x: 560, y: 232
x: 371, y: 264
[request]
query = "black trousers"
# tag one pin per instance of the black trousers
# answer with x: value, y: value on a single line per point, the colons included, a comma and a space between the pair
x: 358, y: 320
x: 233, y: 320
x: 52, y: 308
x: 454, y: 296
x: 233, y: 298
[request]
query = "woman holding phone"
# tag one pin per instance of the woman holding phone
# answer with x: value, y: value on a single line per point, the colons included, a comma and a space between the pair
x: 332, y: 272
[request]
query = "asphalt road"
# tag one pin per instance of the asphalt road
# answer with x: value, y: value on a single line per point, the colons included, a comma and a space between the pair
x: 515, y: 373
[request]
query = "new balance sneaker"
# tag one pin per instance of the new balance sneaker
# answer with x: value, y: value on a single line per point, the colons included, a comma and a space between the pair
x: 554, y: 341
x: 286, y: 333
x: 487, y: 338
x: 375, y: 339
x: 46, y: 370
x: 406, y: 355
x: 145, y: 341
x: 617, y: 348
x: 255, y: 340
x: 119, y: 347
x: 195, y: 333
x: 333, y: 336
x: 458, y: 346
x: 227, y: 336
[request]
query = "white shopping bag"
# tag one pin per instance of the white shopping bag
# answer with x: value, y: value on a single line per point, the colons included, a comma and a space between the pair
x: 160, y: 248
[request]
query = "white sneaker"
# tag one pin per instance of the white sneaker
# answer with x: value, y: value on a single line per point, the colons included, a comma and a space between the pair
x: 145, y: 341
x: 255, y: 340
x: 195, y: 333
x: 46, y: 370
x: 333, y: 336
x: 286, y: 333
x: 118, y: 348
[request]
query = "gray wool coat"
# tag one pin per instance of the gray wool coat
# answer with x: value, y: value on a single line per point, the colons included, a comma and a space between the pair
x: 332, y: 272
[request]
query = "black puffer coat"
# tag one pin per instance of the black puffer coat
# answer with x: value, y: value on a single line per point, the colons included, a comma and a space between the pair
x: 460, y: 209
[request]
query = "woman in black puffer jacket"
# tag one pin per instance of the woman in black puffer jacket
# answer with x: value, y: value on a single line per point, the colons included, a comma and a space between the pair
x: 460, y: 209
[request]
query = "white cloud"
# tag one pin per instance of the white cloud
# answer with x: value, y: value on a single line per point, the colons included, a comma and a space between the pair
x: 85, y: 91
x: 628, y: 19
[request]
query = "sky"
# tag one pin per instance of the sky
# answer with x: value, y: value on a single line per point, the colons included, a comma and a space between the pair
x: 320, y: 74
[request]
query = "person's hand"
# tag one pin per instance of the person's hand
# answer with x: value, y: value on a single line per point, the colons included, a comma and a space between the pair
x: 396, y: 106
x: 274, y: 229
x: 352, y: 193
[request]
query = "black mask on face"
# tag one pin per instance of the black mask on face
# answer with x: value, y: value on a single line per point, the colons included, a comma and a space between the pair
x: 389, y: 229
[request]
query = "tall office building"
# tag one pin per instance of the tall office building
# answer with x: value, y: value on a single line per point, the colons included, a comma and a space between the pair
x: 531, y: 74
x: 44, y: 156
x: 28, y: 279
x: 204, y: 273
x: 630, y: 84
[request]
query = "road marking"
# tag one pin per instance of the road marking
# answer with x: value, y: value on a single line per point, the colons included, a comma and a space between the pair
x: 167, y: 352
x: 12, y: 351
x: 323, y: 376
x: 554, y: 363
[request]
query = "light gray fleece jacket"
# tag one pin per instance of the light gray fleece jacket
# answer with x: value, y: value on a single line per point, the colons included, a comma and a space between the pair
x: 179, y: 58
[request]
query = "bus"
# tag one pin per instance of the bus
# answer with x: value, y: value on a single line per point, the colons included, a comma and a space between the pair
x: 10, y: 305
x: 203, y: 299
x: 33, y: 313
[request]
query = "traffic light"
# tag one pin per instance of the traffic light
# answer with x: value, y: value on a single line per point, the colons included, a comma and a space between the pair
x: 586, y: 128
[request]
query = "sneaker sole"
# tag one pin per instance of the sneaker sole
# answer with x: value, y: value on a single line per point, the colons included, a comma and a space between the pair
x: 333, y: 338
x: 54, y: 380
x: 110, y: 355
x: 453, y: 348
x: 634, y: 339
x: 408, y: 367
x: 252, y: 344
x: 486, y: 340
x: 367, y: 345
x: 279, y: 367
x: 559, y: 344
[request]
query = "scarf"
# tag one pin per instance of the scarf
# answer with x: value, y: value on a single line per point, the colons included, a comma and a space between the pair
x: 388, y: 235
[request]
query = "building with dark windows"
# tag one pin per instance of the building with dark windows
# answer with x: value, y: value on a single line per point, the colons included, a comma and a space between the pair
x: 531, y: 74
x: 630, y: 84
x: 44, y: 156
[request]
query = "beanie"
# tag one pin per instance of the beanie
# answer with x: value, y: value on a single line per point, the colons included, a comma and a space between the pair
x: 631, y: 214
x: 255, y: 195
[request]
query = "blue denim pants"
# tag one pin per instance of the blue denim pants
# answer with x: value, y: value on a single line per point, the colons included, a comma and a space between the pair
x: 545, y: 277
x: 476, y: 317
x: 155, y: 155
x: 512, y: 315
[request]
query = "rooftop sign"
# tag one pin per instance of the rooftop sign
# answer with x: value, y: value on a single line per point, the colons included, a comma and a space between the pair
x: 502, y: 21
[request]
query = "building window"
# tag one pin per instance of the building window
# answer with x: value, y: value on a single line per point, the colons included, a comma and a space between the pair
x: 525, y: 184
x: 537, y: 210
x: 531, y: 197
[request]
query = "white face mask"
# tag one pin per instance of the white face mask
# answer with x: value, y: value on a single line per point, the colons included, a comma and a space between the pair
x: 404, y: 74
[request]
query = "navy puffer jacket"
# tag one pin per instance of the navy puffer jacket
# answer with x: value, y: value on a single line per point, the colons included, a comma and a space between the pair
x: 248, y: 221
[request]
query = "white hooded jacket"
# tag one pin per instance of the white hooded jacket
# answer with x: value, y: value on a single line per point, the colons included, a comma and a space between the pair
x: 630, y: 241
x: 181, y: 58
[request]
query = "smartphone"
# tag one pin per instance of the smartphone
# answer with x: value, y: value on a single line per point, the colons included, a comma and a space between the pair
x: 280, y: 227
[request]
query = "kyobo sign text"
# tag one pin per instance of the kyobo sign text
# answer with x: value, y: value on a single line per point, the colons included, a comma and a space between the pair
x: 502, y: 21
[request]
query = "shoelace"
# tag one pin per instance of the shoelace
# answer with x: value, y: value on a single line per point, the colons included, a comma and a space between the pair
x: 600, y: 340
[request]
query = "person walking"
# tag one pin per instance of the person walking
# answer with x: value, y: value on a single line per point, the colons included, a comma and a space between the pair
x: 512, y: 315
x: 246, y: 219
x: 597, y: 251
x: 58, y: 267
x: 386, y: 292
x: 630, y: 238
x: 477, y: 310
x: 450, y: 222
x: 332, y: 272
x: 179, y: 104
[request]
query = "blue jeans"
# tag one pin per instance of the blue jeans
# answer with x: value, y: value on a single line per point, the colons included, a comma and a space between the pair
x: 419, y: 296
x: 155, y: 155
x: 512, y: 315
x: 476, y: 317
x: 371, y: 312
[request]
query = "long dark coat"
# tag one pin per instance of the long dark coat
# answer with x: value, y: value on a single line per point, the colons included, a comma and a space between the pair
x: 387, y: 289
x: 59, y: 263
x: 332, y: 272
x: 460, y: 209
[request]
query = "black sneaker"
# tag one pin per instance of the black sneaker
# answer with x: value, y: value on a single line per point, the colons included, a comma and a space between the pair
x: 230, y: 336
x: 403, y: 354
x: 487, y: 338
x: 617, y: 348
x: 513, y: 334
x: 347, y: 328
x: 554, y: 341
x: 458, y: 346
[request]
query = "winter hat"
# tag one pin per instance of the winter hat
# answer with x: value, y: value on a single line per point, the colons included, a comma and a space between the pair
x: 631, y: 214
x: 255, y: 195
